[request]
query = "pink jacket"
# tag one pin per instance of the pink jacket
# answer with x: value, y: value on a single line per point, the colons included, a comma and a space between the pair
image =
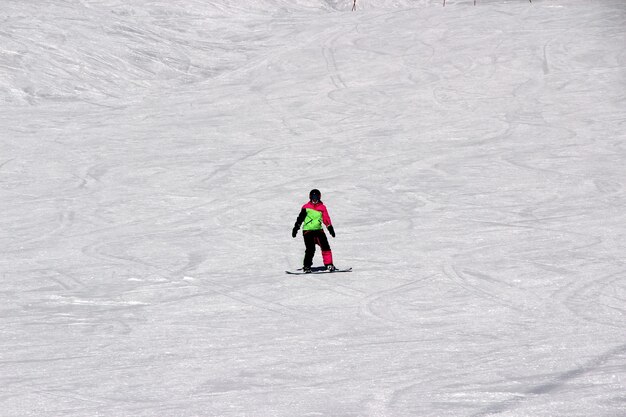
x: 313, y: 215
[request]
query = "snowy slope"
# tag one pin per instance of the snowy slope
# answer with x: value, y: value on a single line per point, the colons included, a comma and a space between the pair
x: 154, y: 156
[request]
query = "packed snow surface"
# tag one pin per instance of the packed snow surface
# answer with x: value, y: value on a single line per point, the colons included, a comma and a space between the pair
x: 154, y: 156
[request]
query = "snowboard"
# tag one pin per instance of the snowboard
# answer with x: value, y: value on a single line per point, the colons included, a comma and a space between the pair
x: 318, y: 270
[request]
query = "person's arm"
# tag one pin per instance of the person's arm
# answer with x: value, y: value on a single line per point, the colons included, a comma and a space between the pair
x: 299, y: 221
x: 328, y: 222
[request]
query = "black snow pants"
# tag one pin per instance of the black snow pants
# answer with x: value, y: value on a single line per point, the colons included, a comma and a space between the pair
x: 312, y: 238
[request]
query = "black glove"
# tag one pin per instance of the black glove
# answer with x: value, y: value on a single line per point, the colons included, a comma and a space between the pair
x: 294, y: 232
x: 331, y: 231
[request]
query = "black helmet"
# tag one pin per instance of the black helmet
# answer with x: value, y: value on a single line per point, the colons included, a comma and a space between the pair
x: 315, y: 195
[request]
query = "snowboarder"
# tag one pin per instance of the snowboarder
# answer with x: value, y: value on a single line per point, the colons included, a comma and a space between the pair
x: 311, y: 218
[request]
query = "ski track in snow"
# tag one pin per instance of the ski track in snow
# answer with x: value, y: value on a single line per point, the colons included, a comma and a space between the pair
x: 154, y: 157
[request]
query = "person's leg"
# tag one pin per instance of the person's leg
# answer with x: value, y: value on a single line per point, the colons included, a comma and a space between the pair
x: 327, y: 254
x: 309, y: 252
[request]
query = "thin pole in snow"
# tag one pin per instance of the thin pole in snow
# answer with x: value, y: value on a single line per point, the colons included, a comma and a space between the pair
x: 354, y: 6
